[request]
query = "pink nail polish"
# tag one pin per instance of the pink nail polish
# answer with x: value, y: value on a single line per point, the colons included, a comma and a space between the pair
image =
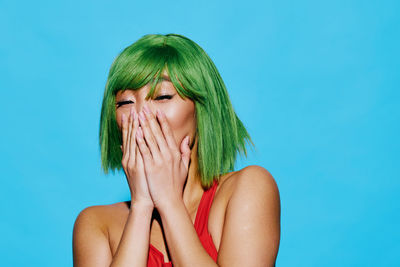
x: 141, y: 115
x: 160, y: 113
x: 146, y: 109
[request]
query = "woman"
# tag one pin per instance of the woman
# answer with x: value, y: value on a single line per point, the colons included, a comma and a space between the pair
x: 167, y: 120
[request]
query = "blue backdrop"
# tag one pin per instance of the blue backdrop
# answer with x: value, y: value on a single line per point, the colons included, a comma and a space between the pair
x: 315, y: 82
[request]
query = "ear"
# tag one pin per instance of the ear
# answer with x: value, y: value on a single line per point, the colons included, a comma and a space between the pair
x: 185, y: 151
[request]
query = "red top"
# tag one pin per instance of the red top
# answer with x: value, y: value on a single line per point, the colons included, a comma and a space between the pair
x: 156, y: 258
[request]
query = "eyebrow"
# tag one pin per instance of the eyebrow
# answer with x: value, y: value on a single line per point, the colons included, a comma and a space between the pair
x: 161, y: 79
x: 164, y: 78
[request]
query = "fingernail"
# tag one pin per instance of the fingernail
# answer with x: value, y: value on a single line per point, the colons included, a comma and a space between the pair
x: 159, y: 113
x: 162, y: 114
x: 141, y: 115
x: 146, y: 109
x: 187, y: 140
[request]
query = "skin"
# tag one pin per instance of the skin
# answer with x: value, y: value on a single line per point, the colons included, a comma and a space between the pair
x: 244, y: 219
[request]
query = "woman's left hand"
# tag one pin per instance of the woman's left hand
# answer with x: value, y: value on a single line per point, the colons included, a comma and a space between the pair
x: 166, y: 164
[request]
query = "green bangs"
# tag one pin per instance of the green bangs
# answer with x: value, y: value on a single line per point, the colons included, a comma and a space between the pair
x: 221, y: 135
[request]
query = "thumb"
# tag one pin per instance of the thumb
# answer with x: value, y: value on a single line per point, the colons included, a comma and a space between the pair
x: 185, y: 151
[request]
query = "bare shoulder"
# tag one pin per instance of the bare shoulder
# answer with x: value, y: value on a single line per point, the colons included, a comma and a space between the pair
x: 251, y: 230
x: 91, y: 234
x: 252, y: 179
x: 99, y: 216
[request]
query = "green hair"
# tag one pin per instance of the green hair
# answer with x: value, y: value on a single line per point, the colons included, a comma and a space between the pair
x: 221, y: 134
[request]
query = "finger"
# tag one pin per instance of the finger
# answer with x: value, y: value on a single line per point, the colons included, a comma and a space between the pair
x: 132, y: 147
x: 124, y: 132
x: 143, y: 148
x: 149, y: 137
x: 128, y: 140
x: 185, y: 152
x: 140, y: 163
x: 139, y: 160
x: 166, y: 130
x: 156, y: 130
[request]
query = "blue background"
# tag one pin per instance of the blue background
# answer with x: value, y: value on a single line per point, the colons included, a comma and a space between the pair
x: 315, y: 82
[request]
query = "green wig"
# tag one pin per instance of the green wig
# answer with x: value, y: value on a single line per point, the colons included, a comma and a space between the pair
x: 221, y: 134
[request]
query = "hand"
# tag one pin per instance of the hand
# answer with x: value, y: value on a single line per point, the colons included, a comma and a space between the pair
x: 165, y: 164
x: 132, y: 162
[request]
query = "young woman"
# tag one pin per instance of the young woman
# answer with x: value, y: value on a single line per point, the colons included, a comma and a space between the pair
x: 167, y: 120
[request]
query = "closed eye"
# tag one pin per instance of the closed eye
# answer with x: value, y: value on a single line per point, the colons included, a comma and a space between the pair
x: 161, y: 97
x: 120, y: 103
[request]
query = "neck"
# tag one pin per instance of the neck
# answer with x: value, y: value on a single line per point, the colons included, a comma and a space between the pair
x: 193, y: 189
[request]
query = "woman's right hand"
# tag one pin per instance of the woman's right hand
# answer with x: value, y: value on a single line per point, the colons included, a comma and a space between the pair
x: 132, y: 162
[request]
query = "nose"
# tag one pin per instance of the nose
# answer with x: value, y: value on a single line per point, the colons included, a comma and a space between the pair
x: 139, y: 106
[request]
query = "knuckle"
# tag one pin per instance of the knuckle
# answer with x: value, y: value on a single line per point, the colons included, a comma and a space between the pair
x: 124, y: 165
x: 168, y: 157
x: 151, y: 119
x: 131, y: 167
x: 153, y: 142
x: 176, y: 154
x: 157, y: 164
x: 131, y: 161
x: 169, y: 160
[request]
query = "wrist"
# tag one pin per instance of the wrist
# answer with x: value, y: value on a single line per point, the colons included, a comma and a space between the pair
x: 165, y: 207
x: 142, y: 206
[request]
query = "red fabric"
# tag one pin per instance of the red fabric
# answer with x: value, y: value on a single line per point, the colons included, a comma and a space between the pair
x: 156, y: 258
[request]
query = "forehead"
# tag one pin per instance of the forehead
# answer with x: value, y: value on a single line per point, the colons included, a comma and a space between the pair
x: 163, y: 84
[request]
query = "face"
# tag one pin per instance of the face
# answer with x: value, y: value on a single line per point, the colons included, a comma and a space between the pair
x: 180, y: 112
